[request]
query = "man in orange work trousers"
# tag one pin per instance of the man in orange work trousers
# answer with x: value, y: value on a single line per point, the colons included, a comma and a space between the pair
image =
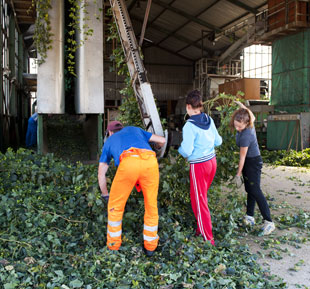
x: 137, y: 165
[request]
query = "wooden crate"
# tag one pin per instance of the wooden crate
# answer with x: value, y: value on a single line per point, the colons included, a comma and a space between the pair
x: 250, y: 87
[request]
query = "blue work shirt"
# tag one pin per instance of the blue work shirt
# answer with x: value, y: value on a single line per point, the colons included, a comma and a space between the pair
x: 122, y: 140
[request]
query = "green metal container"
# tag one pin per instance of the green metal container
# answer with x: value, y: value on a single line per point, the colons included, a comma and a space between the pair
x: 281, y: 135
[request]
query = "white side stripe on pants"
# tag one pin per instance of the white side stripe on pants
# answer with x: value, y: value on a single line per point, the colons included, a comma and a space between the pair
x: 147, y: 238
x: 150, y: 228
x: 115, y: 234
x: 199, y: 218
x: 114, y: 224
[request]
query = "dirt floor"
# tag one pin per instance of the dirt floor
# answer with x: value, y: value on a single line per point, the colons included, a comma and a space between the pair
x: 286, y: 253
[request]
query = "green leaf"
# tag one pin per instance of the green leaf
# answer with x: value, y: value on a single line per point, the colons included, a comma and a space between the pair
x: 10, y: 285
x: 76, y: 283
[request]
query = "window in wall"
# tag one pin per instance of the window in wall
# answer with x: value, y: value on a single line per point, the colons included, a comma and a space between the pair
x: 33, y: 65
x: 257, y: 64
x: 33, y: 69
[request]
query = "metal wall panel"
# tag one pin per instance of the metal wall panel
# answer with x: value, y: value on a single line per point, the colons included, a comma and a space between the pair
x: 89, y: 97
x: 170, y: 81
x: 170, y: 76
x: 51, y: 96
x: 282, y: 135
x: 160, y: 56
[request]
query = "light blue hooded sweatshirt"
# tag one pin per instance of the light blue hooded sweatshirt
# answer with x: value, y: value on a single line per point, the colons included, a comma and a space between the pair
x: 200, y: 136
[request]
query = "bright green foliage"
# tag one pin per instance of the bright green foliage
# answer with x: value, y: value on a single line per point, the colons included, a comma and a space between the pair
x: 42, y: 34
x: 130, y: 113
x: 53, y: 232
x: 174, y: 185
x: 74, y: 27
x: 288, y: 158
x: 227, y: 154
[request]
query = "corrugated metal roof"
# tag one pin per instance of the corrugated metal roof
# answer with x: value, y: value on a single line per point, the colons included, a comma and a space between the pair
x: 177, y: 25
x: 222, y: 13
x: 195, y: 7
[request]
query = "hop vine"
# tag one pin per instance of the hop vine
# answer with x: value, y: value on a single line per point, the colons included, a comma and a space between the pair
x: 42, y: 35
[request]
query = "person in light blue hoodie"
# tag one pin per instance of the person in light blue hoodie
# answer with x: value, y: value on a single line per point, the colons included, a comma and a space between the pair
x: 200, y: 136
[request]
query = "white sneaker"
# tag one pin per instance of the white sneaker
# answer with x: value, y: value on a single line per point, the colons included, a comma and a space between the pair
x: 248, y: 220
x: 268, y: 228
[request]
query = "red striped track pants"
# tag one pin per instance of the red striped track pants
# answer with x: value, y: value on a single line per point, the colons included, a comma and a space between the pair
x: 201, y: 177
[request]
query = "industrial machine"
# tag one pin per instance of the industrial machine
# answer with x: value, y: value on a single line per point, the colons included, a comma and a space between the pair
x: 138, y: 74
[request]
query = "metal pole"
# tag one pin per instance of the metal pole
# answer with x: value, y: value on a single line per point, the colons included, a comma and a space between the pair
x: 201, y: 44
x: 1, y: 83
x: 100, y: 138
x: 147, y: 12
x: 286, y: 11
x: 12, y: 96
x: 21, y: 98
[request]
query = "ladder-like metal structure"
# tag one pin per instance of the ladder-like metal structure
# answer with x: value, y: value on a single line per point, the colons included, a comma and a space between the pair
x: 140, y: 83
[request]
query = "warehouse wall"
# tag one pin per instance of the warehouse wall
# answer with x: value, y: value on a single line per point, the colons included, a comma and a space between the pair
x: 170, y: 76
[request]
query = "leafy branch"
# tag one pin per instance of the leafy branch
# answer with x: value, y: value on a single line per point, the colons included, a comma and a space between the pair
x: 14, y: 241
x: 42, y: 34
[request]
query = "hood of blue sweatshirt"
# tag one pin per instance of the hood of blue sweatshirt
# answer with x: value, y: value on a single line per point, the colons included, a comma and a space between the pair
x: 202, y: 120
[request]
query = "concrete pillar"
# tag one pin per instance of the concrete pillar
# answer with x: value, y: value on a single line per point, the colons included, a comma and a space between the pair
x: 89, y: 96
x: 51, y: 92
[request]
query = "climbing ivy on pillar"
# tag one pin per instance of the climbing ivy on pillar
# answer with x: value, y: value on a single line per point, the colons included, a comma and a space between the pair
x: 42, y: 35
x: 74, y: 28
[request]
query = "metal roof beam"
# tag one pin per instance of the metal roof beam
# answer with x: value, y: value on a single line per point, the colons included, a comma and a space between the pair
x: 193, y: 43
x: 186, y: 15
x: 132, y: 4
x: 165, y: 31
x: 233, y: 49
x: 243, y: 15
x: 172, y: 52
x: 161, y: 13
x: 187, y: 22
x: 243, y: 6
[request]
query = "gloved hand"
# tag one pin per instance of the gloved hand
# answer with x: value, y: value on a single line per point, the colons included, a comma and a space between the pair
x: 238, y: 181
x: 106, y: 197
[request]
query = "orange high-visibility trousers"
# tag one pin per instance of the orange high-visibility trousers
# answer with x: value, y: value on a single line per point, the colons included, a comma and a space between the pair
x: 136, y: 166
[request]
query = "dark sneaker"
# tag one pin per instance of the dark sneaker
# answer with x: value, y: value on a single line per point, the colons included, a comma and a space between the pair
x: 148, y: 253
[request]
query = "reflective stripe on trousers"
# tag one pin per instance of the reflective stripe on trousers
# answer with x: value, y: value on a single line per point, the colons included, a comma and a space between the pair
x: 150, y: 234
x: 136, y: 166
